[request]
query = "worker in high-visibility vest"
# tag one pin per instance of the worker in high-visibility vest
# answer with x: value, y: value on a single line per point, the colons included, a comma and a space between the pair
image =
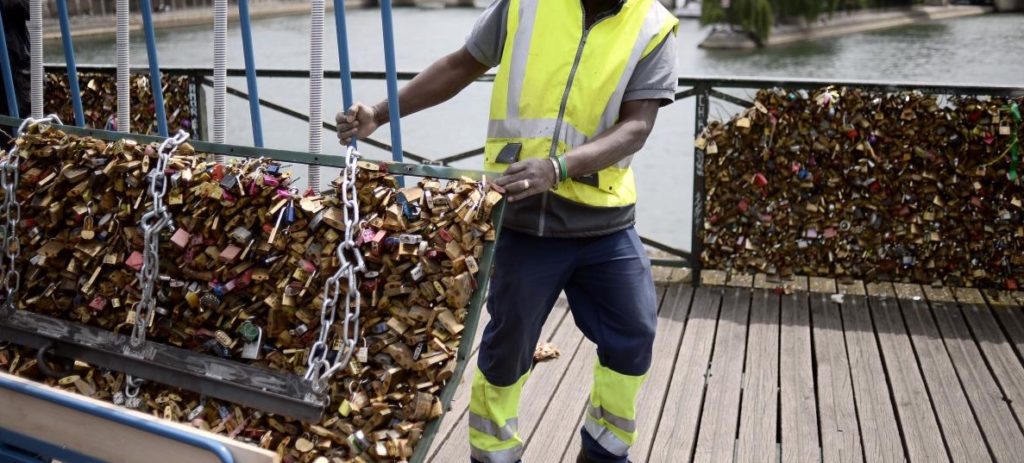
x: 577, y: 92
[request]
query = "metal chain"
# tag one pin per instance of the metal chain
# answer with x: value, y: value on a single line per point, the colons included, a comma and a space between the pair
x: 319, y: 368
x: 10, y: 211
x: 153, y: 222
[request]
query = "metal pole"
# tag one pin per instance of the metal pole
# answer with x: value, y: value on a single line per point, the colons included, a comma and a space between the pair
x: 69, y: 58
x: 220, y: 39
x: 35, y: 23
x: 392, y: 75
x: 5, y: 66
x: 250, y: 73
x: 343, y: 64
x: 123, y: 73
x: 154, y: 67
x: 697, y: 224
x: 316, y: 77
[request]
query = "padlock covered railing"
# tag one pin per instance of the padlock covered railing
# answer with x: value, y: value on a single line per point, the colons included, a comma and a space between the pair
x: 721, y: 94
x: 269, y: 390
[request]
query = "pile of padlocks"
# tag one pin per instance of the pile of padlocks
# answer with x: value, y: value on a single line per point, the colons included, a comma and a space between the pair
x: 849, y: 183
x: 242, y: 270
x: 99, y: 100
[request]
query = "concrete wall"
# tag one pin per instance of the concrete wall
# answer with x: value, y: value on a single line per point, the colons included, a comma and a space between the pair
x: 106, y: 7
x: 1009, y: 5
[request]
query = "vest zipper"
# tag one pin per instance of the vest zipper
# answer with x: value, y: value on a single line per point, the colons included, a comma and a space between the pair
x: 561, y: 108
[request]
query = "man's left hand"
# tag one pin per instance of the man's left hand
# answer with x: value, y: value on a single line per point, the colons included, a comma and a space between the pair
x: 527, y: 178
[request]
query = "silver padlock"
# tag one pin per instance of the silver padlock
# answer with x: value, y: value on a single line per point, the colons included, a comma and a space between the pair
x: 133, y: 402
x: 251, y: 350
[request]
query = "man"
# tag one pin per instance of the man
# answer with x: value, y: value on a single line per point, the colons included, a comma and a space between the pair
x: 577, y: 92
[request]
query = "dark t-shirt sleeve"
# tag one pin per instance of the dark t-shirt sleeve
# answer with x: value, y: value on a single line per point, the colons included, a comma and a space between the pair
x: 487, y: 40
x: 655, y: 76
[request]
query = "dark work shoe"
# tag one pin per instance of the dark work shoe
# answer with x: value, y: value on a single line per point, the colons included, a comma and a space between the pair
x: 581, y: 458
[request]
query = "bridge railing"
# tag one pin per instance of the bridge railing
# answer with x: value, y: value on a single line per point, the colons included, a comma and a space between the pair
x: 730, y: 93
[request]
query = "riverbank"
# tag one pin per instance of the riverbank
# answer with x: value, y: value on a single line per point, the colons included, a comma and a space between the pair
x: 102, y: 26
x: 841, y: 24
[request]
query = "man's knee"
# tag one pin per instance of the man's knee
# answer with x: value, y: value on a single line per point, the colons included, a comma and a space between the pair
x: 629, y: 354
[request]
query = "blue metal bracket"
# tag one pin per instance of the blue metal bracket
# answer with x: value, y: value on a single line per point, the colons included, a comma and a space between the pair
x: 345, y: 69
x: 154, y: 67
x: 392, y: 73
x: 69, y: 58
x: 250, y: 73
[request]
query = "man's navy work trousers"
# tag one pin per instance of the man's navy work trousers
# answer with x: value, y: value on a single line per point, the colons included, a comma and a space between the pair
x: 608, y: 283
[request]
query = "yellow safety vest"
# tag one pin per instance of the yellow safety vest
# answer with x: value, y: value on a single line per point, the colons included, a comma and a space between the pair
x: 559, y: 85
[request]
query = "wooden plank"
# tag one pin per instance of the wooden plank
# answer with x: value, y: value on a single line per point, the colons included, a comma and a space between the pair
x: 107, y: 440
x: 908, y: 291
x: 960, y: 430
x: 853, y: 287
x: 717, y: 435
x: 994, y: 416
x: 799, y: 414
x: 1010, y: 315
x: 1002, y: 360
x: 921, y: 432
x: 878, y: 289
x: 759, y: 412
x: 560, y: 331
x: 677, y: 431
x: 741, y: 280
x: 822, y: 285
x: 671, y: 320
x: 879, y: 432
x: 840, y: 435
x: 551, y: 437
x: 761, y: 282
x: 799, y: 283
x: 713, y: 277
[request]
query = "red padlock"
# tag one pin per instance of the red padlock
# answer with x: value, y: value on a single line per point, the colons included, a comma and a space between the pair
x: 98, y: 303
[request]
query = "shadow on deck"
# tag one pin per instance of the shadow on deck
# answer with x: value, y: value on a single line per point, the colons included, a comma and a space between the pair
x: 751, y: 374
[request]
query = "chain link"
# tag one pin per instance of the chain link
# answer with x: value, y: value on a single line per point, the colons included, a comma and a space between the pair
x: 153, y: 222
x: 319, y: 368
x: 10, y: 211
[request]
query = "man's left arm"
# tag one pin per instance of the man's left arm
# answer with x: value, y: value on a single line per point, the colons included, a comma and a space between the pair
x: 651, y: 86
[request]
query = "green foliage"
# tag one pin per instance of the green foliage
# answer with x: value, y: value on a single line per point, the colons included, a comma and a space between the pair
x: 756, y: 17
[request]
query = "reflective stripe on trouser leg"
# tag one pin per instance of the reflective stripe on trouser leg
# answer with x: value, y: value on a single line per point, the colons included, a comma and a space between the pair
x: 611, y: 416
x: 493, y: 421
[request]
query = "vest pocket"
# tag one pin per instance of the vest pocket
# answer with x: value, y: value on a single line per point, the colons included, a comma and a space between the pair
x: 493, y: 148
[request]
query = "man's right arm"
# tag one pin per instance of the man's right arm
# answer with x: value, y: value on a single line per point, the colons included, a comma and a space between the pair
x: 441, y: 80
x: 436, y: 84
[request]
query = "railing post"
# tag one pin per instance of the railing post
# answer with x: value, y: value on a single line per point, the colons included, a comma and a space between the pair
x: 696, y: 240
x: 5, y: 65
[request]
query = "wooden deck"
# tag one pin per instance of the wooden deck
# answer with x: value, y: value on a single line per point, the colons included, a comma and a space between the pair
x: 744, y: 373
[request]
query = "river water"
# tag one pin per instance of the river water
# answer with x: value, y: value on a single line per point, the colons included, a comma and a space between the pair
x: 978, y: 50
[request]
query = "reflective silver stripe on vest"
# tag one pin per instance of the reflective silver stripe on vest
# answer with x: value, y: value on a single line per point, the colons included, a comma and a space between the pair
x: 520, y: 52
x: 650, y: 28
x: 489, y: 427
x: 605, y: 438
x: 511, y: 455
x: 616, y: 420
x: 534, y: 128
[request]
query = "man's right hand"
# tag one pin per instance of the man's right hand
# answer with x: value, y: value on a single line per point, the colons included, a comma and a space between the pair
x: 359, y: 121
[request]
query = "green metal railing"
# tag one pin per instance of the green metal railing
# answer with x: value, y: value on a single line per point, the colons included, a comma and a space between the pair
x: 703, y: 90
